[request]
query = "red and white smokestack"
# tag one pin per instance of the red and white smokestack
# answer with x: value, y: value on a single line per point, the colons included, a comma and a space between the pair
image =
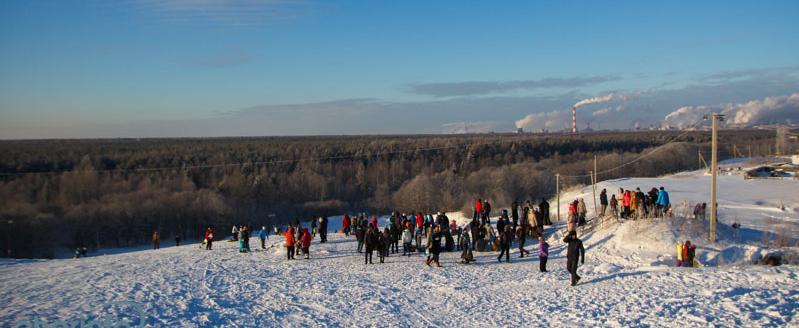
x: 574, y: 119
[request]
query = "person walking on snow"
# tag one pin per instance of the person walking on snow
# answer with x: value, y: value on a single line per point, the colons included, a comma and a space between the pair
x: 235, y: 233
x: 209, y: 238
x: 345, y: 224
x: 504, y: 244
x: 603, y: 201
x: 244, y: 240
x: 663, y: 201
x: 435, y: 247
x: 370, y: 241
x: 543, y: 254
x: 466, y: 248
x: 290, y: 242
x: 263, y: 234
x: 382, y: 244
x: 306, y: 242
x: 614, y: 206
x: 575, y: 251
x: 407, y: 239
x: 522, y: 235
x: 322, y: 229
x: 156, y: 240
x: 359, y: 236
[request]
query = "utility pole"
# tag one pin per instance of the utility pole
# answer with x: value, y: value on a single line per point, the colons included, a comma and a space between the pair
x: 557, y: 190
x: 714, y: 171
x: 596, y: 180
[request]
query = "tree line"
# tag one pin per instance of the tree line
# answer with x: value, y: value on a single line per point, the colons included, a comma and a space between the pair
x: 116, y: 192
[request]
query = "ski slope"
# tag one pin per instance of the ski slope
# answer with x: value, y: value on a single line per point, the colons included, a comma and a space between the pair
x: 628, y: 278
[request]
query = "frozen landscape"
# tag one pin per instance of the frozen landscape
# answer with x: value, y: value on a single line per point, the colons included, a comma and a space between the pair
x: 629, y: 278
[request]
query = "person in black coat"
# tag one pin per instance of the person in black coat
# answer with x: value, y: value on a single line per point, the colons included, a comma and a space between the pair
x: 574, y: 251
x: 395, y: 232
x: 371, y: 241
x: 544, y: 208
x: 504, y: 244
x: 435, y: 247
x: 322, y: 229
x: 603, y: 200
x: 359, y: 235
x: 514, y: 211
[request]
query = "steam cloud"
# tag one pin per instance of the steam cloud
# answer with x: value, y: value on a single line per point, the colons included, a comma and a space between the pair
x: 600, y: 99
x: 779, y: 109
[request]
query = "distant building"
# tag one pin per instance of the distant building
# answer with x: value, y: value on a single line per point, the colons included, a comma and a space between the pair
x: 519, y: 130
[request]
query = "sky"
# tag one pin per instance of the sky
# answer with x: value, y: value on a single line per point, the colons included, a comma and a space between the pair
x: 194, y: 68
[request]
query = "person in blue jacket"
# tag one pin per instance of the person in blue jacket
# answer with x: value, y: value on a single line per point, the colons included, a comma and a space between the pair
x: 663, y: 202
x: 263, y: 234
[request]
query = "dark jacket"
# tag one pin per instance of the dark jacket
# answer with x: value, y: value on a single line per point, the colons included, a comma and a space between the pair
x: 603, y: 198
x: 371, y: 240
x: 435, y: 243
x: 574, y: 249
x: 505, y: 237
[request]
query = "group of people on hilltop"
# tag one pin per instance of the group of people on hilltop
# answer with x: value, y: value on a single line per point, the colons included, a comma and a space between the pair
x: 636, y: 204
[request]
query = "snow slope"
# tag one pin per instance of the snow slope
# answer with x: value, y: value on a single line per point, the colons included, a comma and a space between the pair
x: 185, y: 286
x: 628, y: 279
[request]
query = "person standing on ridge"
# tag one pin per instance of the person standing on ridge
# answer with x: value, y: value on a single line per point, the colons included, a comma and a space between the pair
x: 156, y: 240
x: 209, y: 238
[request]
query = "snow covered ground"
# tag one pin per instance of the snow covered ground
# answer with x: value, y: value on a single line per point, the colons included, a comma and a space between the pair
x: 628, y: 278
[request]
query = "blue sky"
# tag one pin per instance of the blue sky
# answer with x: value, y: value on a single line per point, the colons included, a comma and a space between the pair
x: 143, y: 68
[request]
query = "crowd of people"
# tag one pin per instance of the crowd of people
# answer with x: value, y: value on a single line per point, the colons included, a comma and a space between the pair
x: 636, y: 204
x: 433, y: 234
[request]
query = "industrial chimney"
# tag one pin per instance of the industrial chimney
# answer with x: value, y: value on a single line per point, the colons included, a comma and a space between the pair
x: 574, y: 119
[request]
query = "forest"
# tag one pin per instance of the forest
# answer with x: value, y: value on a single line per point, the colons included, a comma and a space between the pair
x: 61, y: 194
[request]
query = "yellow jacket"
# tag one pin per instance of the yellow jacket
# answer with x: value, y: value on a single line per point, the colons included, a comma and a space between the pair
x: 679, y: 251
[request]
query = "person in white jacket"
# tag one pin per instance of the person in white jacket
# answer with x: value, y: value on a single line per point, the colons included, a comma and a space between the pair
x: 235, y: 232
x: 407, y: 239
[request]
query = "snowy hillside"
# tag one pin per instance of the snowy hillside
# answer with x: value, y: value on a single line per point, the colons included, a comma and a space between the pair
x: 628, y: 279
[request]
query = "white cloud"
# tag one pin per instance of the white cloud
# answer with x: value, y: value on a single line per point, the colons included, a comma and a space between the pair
x: 550, y: 121
x: 468, y: 127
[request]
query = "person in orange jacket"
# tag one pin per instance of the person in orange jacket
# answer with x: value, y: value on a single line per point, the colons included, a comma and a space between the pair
x: 290, y: 242
x: 306, y: 242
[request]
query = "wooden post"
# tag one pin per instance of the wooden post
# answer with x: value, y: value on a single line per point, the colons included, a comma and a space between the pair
x: 557, y: 190
x: 714, y: 171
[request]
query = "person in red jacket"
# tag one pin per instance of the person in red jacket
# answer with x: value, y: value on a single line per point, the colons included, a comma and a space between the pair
x: 626, y: 202
x: 478, y: 209
x: 290, y: 242
x: 306, y: 241
x: 373, y: 222
x: 419, y: 221
x: 209, y: 238
x: 345, y: 224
